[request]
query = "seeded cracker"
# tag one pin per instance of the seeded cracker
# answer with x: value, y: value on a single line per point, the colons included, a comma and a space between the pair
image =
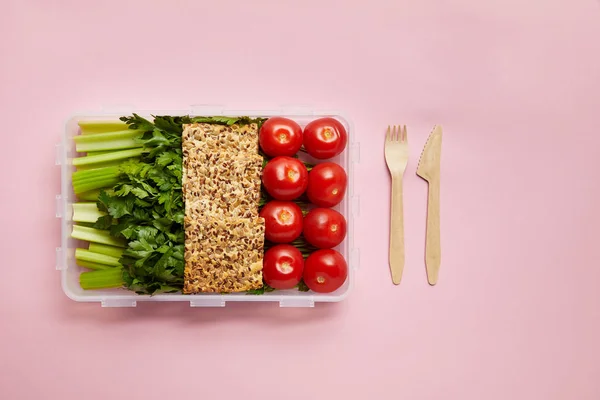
x: 221, y: 188
x: 223, y: 183
x: 214, y: 139
x: 223, y: 255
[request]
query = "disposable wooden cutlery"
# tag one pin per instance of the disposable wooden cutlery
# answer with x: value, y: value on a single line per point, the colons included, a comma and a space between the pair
x: 429, y: 169
x: 396, y: 157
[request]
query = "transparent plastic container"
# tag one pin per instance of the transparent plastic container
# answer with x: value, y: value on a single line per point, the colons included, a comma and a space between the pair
x: 65, y: 254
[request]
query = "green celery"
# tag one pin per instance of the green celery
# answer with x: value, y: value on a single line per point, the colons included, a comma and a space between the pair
x: 92, y: 195
x: 86, y: 224
x: 106, y: 249
x: 96, y: 153
x: 126, y: 139
x: 86, y: 255
x: 98, y: 178
x: 108, y: 136
x: 91, y: 174
x: 112, y: 156
x: 86, y: 212
x: 93, y: 265
x: 98, y: 184
x: 113, y: 145
x: 103, y: 279
x: 95, y: 235
x: 99, y: 126
x: 114, y: 163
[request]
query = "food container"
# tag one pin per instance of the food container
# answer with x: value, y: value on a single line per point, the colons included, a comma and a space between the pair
x: 65, y: 253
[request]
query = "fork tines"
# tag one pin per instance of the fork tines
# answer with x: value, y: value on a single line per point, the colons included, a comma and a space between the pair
x: 396, y: 133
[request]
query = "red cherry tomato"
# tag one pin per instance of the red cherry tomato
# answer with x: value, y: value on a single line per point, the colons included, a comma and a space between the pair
x: 325, y: 270
x: 285, y: 178
x: 283, y: 265
x: 325, y: 138
x: 324, y: 228
x: 326, y: 184
x: 280, y: 137
x: 283, y: 221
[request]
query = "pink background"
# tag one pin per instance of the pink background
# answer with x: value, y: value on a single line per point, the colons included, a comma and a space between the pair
x: 516, y: 87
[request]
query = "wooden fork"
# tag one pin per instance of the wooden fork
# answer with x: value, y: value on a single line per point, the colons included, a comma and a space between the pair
x: 396, y: 157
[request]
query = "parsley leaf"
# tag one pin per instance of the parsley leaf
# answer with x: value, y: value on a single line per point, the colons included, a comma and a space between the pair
x: 137, y: 122
x: 103, y: 222
x: 222, y: 120
x: 302, y: 286
x: 265, y: 289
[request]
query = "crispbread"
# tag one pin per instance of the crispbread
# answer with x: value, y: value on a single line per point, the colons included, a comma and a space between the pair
x: 223, y: 255
x: 224, y: 237
x: 214, y: 139
x: 222, y: 183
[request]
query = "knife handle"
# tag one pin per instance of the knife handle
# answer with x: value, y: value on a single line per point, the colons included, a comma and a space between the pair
x: 433, y: 253
x: 397, y: 231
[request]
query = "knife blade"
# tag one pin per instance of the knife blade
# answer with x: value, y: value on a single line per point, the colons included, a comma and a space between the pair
x: 429, y: 169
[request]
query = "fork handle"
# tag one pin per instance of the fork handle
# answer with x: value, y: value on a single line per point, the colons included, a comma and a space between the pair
x: 397, y: 231
x: 433, y: 253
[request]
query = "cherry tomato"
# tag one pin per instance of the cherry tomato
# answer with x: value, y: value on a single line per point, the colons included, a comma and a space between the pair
x: 285, y: 178
x: 280, y: 137
x: 325, y: 138
x: 283, y: 265
x: 325, y: 270
x: 324, y: 228
x: 326, y: 184
x: 283, y: 221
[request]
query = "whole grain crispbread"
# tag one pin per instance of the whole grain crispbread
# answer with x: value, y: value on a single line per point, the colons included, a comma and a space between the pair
x: 224, y: 237
x: 223, y: 255
x: 214, y: 139
x: 222, y: 184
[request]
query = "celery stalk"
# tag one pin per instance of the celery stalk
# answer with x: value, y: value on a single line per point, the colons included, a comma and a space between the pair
x: 108, y: 136
x: 95, y: 235
x: 90, y: 174
x: 113, y: 145
x: 96, y: 153
x: 103, y: 279
x: 112, y: 156
x: 92, y: 195
x: 86, y: 212
x: 99, y: 126
x: 86, y: 255
x: 106, y: 249
x: 99, y: 184
x: 126, y: 139
x: 114, y: 163
x: 92, y: 265
x: 84, y: 181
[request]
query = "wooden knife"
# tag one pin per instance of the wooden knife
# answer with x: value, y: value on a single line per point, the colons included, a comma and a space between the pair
x: 429, y: 169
